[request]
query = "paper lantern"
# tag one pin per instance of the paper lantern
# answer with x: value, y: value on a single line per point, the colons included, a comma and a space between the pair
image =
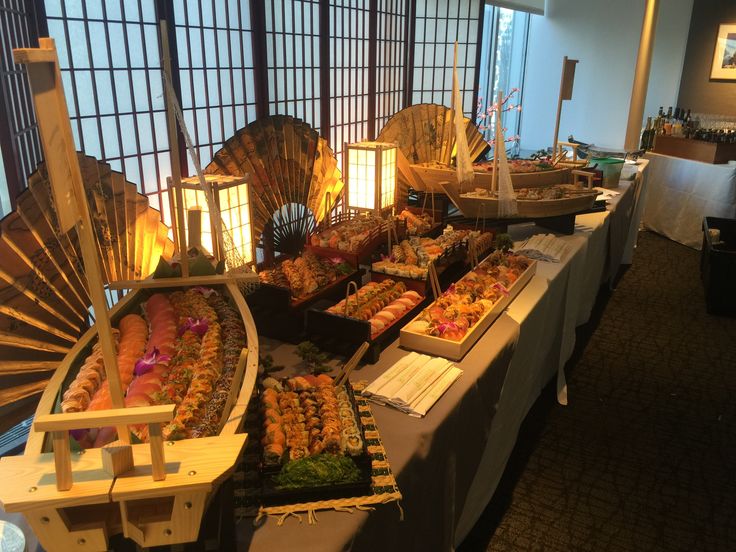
x: 370, y: 170
x: 231, y: 196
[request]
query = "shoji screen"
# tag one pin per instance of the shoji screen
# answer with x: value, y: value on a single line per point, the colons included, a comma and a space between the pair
x: 213, y: 39
x: 292, y: 51
x: 20, y: 148
x: 439, y: 23
x: 390, y: 59
x: 349, y: 72
x: 111, y: 68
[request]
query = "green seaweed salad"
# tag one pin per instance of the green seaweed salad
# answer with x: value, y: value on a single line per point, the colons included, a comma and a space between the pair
x: 317, y: 471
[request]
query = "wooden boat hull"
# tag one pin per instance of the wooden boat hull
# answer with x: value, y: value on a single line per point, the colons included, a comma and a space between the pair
x: 432, y: 177
x: 480, y: 207
x: 99, y: 505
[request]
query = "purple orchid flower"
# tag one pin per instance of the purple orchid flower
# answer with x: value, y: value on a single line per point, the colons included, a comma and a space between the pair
x: 205, y: 291
x: 197, y: 325
x: 500, y: 287
x: 447, y: 326
x: 146, y: 364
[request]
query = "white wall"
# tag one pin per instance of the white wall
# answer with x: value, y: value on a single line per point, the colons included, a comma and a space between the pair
x: 604, y: 36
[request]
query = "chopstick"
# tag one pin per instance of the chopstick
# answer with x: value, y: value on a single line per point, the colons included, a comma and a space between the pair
x: 342, y: 377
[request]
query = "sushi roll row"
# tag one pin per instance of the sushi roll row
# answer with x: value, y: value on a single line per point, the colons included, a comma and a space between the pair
x: 348, y: 236
x: 393, y: 311
x: 233, y: 332
x: 306, y: 416
x: 302, y: 276
x: 369, y: 299
x: 350, y: 437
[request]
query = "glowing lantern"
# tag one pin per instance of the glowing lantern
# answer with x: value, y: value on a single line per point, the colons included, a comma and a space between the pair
x: 370, y: 176
x: 231, y: 195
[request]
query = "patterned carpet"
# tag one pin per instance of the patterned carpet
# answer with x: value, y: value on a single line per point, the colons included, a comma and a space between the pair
x: 644, y: 457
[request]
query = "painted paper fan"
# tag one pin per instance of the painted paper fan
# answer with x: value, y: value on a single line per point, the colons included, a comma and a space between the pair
x: 44, y: 303
x: 290, y: 167
x: 424, y: 134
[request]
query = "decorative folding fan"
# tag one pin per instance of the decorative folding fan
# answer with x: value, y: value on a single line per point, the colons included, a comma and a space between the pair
x: 425, y: 134
x: 289, y: 165
x: 44, y: 304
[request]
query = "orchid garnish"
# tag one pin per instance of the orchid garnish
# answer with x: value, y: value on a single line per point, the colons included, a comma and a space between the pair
x: 447, y: 326
x: 337, y: 260
x: 500, y: 287
x: 198, y: 326
x: 205, y: 291
x: 146, y: 364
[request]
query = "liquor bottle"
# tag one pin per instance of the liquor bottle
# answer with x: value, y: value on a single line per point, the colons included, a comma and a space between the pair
x: 668, y: 122
x: 645, y: 135
x: 661, y: 111
x: 677, y: 114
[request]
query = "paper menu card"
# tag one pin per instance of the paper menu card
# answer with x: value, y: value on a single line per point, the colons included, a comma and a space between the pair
x: 414, y: 383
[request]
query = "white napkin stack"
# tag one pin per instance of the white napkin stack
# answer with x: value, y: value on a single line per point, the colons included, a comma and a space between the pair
x: 605, y: 193
x: 543, y: 247
x: 413, y: 384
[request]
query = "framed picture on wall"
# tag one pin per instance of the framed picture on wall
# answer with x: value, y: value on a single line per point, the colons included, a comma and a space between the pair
x: 724, y: 57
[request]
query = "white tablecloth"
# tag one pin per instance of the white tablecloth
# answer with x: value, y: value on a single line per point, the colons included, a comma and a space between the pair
x: 681, y: 192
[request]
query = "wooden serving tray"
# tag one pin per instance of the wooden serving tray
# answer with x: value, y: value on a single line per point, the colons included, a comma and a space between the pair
x: 455, y: 350
x: 343, y: 334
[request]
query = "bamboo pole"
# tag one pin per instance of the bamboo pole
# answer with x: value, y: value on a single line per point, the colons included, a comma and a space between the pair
x: 66, y: 180
x: 499, y: 134
x: 641, y: 76
x: 177, y: 205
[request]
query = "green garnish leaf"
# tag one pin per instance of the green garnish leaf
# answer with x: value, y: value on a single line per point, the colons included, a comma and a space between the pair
x: 317, y: 471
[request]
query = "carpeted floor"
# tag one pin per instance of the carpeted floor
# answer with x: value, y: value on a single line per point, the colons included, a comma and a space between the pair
x: 644, y: 456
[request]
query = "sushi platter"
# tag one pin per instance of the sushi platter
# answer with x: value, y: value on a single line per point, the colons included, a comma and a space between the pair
x: 450, y: 326
x: 312, y: 441
x: 410, y: 260
x: 287, y: 290
x: 373, y: 314
x: 353, y: 236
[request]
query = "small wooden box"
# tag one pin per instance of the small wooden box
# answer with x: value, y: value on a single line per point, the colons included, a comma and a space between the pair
x: 697, y: 150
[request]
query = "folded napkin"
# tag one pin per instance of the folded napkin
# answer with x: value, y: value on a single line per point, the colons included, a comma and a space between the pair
x: 413, y: 384
x: 543, y: 247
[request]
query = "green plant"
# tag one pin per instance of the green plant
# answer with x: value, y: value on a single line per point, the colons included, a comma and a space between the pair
x: 504, y: 242
x: 312, y: 357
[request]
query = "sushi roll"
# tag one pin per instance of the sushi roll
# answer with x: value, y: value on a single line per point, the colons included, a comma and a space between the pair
x: 376, y: 325
x: 408, y: 303
x: 354, y: 445
x: 413, y: 295
x: 272, y: 454
x: 397, y: 309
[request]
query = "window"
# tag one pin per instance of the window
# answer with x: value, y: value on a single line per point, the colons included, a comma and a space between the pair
x: 292, y: 47
x: 438, y: 25
x: 214, y: 44
x: 349, y: 72
x: 111, y: 68
x: 390, y: 59
x: 20, y: 146
x: 502, y: 64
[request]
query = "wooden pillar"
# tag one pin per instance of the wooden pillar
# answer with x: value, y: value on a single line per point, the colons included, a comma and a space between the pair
x: 641, y: 76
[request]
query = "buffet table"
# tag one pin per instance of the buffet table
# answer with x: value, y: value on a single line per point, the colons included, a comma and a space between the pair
x: 448, y: 464
x: 681, y: 192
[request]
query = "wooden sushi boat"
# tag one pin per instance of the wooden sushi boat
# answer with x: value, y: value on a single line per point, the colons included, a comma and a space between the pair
x: 75, y: 500
x: 432, y: 176
x: 477, y: 206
